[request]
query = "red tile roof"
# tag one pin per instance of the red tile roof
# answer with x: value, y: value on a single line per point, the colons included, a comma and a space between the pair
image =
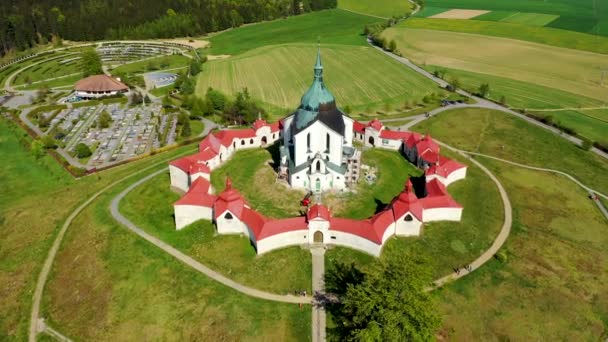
x: 198, y: 194
x: 254, y: 220
x: 438, y: 196
x: 358, y: 127
x: 375, y: 124
x: 445, y: 168
x: 361, y: 228
x: 407, y: 202
x: 394, y: 135
x: 427, y: 144
x: 274, y: 227
x: 318, y: 211
x: 230, y: 199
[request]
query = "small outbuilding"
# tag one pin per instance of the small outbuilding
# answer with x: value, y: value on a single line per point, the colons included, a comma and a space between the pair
x: 98, y: 86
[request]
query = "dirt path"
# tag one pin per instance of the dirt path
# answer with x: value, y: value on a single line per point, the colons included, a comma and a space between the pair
x: 318, y: 288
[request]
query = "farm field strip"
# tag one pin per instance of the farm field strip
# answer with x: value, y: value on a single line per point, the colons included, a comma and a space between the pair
x: 381, y: 8
x: 279, y: 75
x: 569, y: 70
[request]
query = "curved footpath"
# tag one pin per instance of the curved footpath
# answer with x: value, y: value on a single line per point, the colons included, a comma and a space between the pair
x: 188, y: 260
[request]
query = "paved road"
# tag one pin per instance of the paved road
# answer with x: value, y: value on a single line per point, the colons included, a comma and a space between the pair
x: 482, y: 103
x: 191, y: 262
x: 318, y: 288
x: 48, y: 262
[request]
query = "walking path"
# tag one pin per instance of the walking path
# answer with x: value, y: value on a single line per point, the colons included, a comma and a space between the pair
x: 318, y: 289
x: 43, y: 327
x: 48, y: 262
x: 188, y: 260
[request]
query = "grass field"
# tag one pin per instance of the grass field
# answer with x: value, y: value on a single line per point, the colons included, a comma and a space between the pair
x: 592, y: 124
x: 329, y: 26
x: 280, y: 75
x: 582, y: 16
x: 392, y: 171
x: 382, y: 8
x: 59, y: 82
x: 543, y: 35
x: 532, y: 19
x: 150, y: 206
x: 553, y: 275
x: 569, y: 70
x: 46, y: 70
x: 157, y: 64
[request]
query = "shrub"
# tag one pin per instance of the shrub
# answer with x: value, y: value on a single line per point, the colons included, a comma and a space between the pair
x: 501, y: 256
x: 83, y: 151
x: 586, y: 144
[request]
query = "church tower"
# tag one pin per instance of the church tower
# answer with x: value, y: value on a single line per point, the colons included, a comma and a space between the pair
x: 317, y: 140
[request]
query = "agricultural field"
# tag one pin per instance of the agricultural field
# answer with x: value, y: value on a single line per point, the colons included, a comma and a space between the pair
x: 150, y: 206
x: 582, y: 16
x: 566, y: 108
x: 328, y: 26
x: 552, y: 274
x: 543, y: 35
x: 573, y: 71
x: 154, y: 64
x: 378, y: 8
x: 279, y: 75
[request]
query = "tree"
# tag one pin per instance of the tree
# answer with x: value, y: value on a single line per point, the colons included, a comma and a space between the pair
x: 392, y: 45
x: 104, y: 120
x: 455, y: 81
x: 136, y: 98
x: 37, y: 149
x: 484, y: 90
x: 389, y: 303
x: 186, y: 130
x: 195, y: 67
x: 90, y: 63
x: 216, y: 99
x: 83, y: 151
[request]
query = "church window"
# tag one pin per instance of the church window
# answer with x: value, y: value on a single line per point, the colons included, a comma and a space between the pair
x: 251, y: 141
x: 242, y: 142
x: 318, y: 166
x: 408, y: 218
x: 228, y: 216
x: 308, y: 141
x: 327, y: 142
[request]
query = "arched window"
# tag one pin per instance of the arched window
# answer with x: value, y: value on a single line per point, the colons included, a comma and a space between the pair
x: 371, y: 140
x: 234, y: 144
x: 251, y: 141
x: 228, y: 216
x: 327, y: 142
x: 242, y: 142
x: 308, y: 141
x: 318, y: 166
x: 408, y: 218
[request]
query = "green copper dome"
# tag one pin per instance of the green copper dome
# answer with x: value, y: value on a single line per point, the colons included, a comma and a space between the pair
x: 316, y: 97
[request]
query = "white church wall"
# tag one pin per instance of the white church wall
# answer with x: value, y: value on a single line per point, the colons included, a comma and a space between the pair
x: 187, y: 214
x: 230, y: 226
x: 195, y: 176
x: 455, y: 176
x: 442, y: 214
x: 390, y: 231
x: 318, y: 225
x: 293, y: 238
x: 354, y: 242
x: 371, y: 133
x: 407, y: 228
x: 348, y: 131
x: 389, y: 144
x: 179, y: 178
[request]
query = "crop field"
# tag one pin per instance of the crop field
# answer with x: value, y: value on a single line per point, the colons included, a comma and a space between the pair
x: 592, y: 124
x: 280, y: 75
x: 154, y: 64
x: 328, y: 26
x: 532, y: 19
x: 573, y: 71
x: 543, y: 35
x: 381, y: 8
x: 552, y: 274
x: 582, y: 16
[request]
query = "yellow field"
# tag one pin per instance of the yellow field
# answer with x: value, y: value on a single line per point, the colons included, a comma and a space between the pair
x: 574, y: 71
x: 280, y: 74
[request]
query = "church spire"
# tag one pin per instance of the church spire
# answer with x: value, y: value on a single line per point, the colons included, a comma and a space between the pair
x: 318, y: 64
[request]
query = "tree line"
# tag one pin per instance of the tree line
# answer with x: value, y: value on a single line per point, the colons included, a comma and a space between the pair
x: 24, y: 24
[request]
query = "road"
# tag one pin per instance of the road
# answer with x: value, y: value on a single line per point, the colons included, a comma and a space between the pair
x: 318, y: 289
x: 482, y: 103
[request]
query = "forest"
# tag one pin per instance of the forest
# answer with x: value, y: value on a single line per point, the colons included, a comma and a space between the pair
x: 25, y: 23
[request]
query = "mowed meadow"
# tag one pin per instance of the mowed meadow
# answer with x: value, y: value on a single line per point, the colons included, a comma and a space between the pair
x: 279, y: 75
x: 573, y: 71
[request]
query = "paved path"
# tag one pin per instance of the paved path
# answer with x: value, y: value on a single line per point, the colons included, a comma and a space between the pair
x: 48, y: 262
x: 209, y: 126
x: 191, y: 262
x: 483, y: 103
x: 318, y: 288
x: 43, y: 327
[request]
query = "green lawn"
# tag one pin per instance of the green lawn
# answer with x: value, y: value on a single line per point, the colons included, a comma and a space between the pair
x: 150, y: 206
x: 252, y: 174
x: 153, y: 64
x: 109, y: 284
x: 328, y: 26
x: 51, y: 69
x: 543, y: 35
x: 197, y: 127
x: 279, y: 75
x: 532, y: 19
x: 60, y: 82
x: 382, y: 8
x: 592, y: 124
x: 392, y: 172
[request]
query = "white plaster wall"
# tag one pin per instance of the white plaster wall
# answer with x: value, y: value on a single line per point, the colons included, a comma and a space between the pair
x: 194, y: 176
x: 318, y: 225
x: 455, y: 176
x: 232, y: 226
x: 187, y: 214
x: 179, y: 178
x: 348, y: 131
x: 282, y: 240
x: 354, y: 242
x: 439, y: 178
x: 370, y: 132
x: 389, y: 144
x: 405, y: 228
x: 442, y: 214
x: 390, y: 231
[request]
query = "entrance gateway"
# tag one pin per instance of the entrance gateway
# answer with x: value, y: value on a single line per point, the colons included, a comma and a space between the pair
x: 318, y: 237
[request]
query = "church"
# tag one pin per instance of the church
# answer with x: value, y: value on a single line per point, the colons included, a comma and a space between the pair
x: 317, y: 153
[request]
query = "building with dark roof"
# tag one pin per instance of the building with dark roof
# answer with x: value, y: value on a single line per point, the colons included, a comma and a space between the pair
x: 98, y: 86
x: 317, y: 152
